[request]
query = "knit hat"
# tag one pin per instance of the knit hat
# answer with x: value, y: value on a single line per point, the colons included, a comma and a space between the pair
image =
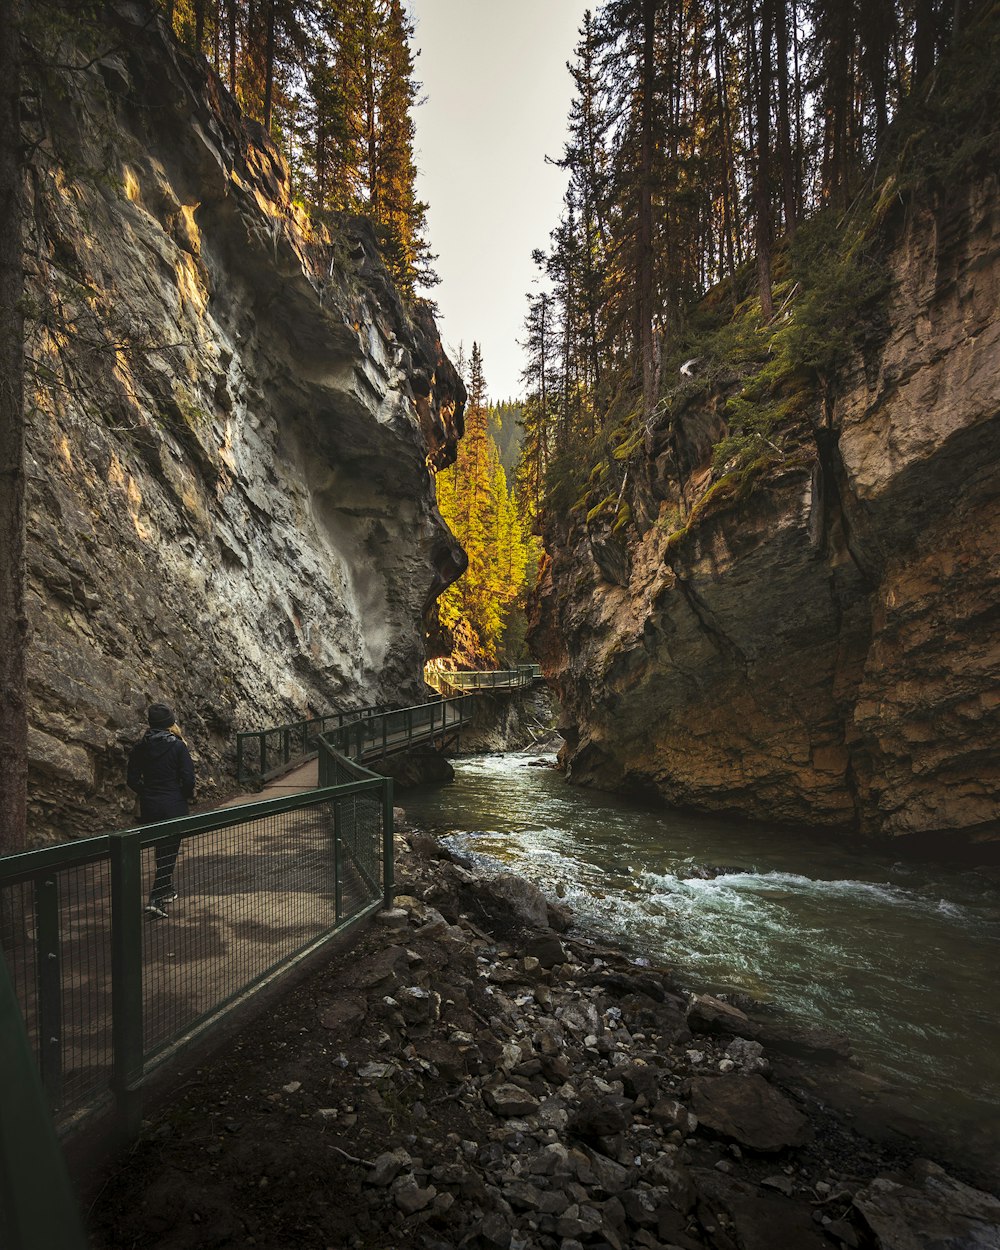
x: 160, y: 716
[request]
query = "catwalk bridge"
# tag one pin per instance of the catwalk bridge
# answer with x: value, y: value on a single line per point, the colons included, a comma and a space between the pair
x: 372, y: 733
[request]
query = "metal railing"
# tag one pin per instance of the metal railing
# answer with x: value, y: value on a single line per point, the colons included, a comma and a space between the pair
x: 497, y: 679
x: 388, y: 732
x: 264, y: 753
x: 37, y: 1207
x: 107, y: 994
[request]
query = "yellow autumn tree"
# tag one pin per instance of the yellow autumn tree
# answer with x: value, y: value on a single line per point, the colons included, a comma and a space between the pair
x: 482, y: 511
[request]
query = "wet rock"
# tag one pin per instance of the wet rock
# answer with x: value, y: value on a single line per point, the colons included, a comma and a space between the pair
x: 547, y: 949
x: 510, y: 1100
x: 761, y: 1222
x: 708, y: 872
x: 748, y: 1110
x: 816, y: 1045
x: 523, y: 897
x: 711, y: 1015
x: 747, y: 1056
x: 560, y: 916
x: 930, y: 1209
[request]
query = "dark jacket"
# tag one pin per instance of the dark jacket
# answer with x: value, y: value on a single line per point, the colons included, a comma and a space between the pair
x: 160, y: 771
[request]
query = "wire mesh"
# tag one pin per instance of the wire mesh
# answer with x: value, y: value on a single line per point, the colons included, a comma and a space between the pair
x: 85, y: 933
x: 57, y: 940
x: 18, y: 934
x: 250, y: 898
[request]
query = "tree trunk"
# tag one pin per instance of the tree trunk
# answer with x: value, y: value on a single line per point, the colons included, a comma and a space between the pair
x: 13, y: 622
x: 231, y: 10
x: 199, y: 25
x: 762, y: 178
x: 789, y: 194
x: 645, y: 293
x: 272, y: 18
x: 924, y: 40
x: 727, y: 146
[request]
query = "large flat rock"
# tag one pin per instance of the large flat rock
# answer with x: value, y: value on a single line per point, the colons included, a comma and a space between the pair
x: 747, y: 1110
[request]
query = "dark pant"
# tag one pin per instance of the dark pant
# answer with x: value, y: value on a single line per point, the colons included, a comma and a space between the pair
x: 154, y: 809
x: 166, y: 858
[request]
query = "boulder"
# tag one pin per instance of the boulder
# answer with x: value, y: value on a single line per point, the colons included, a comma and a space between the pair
x: 522, y: 897
x: 711, y: 1015
x: 510, y: 1100
x: 382, y: 970
x: 547, y: 949
x: 747, y: 1110
x: 762, y: 1222
x: 801, y: 1042
x: 932, y: 1209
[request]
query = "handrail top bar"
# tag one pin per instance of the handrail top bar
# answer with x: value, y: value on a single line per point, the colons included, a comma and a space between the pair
x: 25, y: 865
x: 22, y: 864
x: 396, y: 711
x: 369, y: 709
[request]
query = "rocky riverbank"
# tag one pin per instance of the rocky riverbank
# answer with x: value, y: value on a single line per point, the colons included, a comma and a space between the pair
x: 477, y: 1074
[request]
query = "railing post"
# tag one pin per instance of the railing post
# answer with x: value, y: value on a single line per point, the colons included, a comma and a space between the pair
x: 35, y: 1191
x: 239, y: 758
x: 126, y: 979
x: 49, y: 963
x: 388, y: 830
x: 338, y: 896
x: 263, y: 753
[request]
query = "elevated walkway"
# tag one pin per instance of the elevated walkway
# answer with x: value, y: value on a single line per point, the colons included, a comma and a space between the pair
x: 372, y: 733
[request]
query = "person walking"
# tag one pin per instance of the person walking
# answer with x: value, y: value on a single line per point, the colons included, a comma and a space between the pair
x: 161, y: 773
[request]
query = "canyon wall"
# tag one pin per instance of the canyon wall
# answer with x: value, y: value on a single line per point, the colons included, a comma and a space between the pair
x: 232, y: 421
x: 824, y: 649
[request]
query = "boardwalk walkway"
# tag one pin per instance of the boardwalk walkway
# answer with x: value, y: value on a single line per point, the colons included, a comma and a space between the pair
x: 254, y: 895
x: 251, y: 896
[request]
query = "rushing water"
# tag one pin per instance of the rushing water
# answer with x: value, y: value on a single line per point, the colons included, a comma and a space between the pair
x: 900, y: 956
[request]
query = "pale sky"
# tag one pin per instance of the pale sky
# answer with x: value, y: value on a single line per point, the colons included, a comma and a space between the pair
x: 497, y: 94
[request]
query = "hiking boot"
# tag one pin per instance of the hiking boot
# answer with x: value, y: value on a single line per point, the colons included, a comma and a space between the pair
x: 172, y: 897
x: 154, y: 909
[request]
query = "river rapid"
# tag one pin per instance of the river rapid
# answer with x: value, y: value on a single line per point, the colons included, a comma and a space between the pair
x: 900, y: 956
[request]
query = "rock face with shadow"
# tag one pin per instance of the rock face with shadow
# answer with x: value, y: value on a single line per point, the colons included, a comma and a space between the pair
x: 234, y: 420
x: 825, y: 651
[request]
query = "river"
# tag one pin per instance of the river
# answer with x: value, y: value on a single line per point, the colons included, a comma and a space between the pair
x: 900, y: 956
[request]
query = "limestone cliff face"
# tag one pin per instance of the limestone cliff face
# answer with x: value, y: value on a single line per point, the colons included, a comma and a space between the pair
x: 233, y: 420
x: 825, y: 652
